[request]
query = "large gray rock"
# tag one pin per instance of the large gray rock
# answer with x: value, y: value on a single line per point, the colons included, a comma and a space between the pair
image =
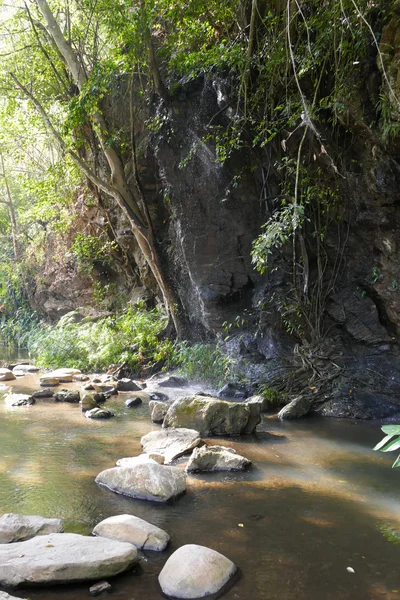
x: 158, y: 410
x: 171, y: 443
x: 99, y: 413
x: 213, y: 416
x: 6, y: 375
x: 65, y: 395
x: 42, y: 394
x: 173, y: 381
x: 20, y: 370
x: 216, y: 458
x: 18, y: 528
x: 127, y: 528
x: 297, y: 408
x: 19, y: 400
x: 233, y: 391
x: 146, y: 481
x: 127, y: 385
x: 62, y: 558
x: 194, y: 572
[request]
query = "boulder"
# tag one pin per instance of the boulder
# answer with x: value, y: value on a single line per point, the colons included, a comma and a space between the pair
x: 194, y: 572
x: 5, y: 596
x: 46, y: 381
x: 18, y: 528
x: 42, y: 394
x: 63, y: 558
x: 105, y: 388
x: 140, y: 533
x: 64, y: 395
x: 216, y: 458
x: 99, y: 588
x: 255, y: 407
x: 59, y: 374
x: 297, y: 408
x: 99, y: 413
x: 80, y: 377
x: 212, y: 416
x: 146, y: 481
x: 6, y: 375
x: 158, y: 396
x: 127, y: 385
x: 171, y: 443
x: 132, y: 402
x: 158, y: 410
x: 20, y: 370
x: 88, y: 402
x: 131, y: 461
x: 173, y: 381
x: 19, y: 400
x: 233, y: 391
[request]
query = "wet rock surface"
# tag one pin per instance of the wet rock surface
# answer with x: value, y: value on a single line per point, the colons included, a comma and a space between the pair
x: 194, y: 572
x: 216, y: 458
x: 132, y: 402
x: 299, y: 407
x: 62, y: 558
x: 18, y: 528
x: 158, y: 410
x: 100, y: 588
x: 136, y: 531
x: 145, y: 481
x: 127, y: 385
x: 99, y: 413
x: 19, y: 400
x: 65, y: 395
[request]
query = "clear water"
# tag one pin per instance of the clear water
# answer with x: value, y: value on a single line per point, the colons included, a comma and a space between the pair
x: 317, y: 501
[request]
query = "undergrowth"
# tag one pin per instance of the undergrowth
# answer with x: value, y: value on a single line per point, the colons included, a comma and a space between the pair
x: 203, y: 362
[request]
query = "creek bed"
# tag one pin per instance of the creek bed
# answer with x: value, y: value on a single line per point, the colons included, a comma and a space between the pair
x: 317, y: 501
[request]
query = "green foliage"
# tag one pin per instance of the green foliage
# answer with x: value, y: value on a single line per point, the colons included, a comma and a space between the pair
x: 388, y: 444
x: 274, y: 398
x: 89, y: 250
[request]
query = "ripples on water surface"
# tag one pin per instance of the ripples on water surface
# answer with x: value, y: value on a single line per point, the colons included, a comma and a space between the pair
x: 317, y: 501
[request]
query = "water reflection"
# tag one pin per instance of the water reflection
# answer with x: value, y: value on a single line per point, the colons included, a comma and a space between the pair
x: 318, y: 501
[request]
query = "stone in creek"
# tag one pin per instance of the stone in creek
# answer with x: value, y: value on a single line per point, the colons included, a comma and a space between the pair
x: 158, y: 396
x: 99, y: 588
x: 5, y: 596
x: 19, y: 400
x: 131, y: 461
x: 194, y: 571
x: 18, y: 528
x: 158, y: 410
x: 105, y: 387
x: 234, y: 391
x: 132, y: 402
x: 80, y: 377
x: 63, y: 558
x: 89, y: 401
x: 43, y: 394
x: 146, y: 481
x: 171, y: 443
x: 140, y: 533
x: 24, y: 369
x: 127, y: 385
x: 212, y: 416
x: 216, y: 458
x: 297, y: 408
x: 65, y: 395
x: 99, y: 413
x: 173, y: 381
x: 46, y: 381
x: 6, y: 375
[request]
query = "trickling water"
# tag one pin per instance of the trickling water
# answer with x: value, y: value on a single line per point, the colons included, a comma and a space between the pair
x: 317, y: 501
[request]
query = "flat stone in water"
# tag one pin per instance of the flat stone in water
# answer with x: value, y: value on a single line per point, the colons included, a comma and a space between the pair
x: 99, y: 413
x: 18, y: 528
x: 99, y: 588
x: 128, y: 528
x: 146, y: 481
x: 194, y: 572
x: 65, y: 395
x: 43, y: 394
x: 216, y: 458
x: 127, y: 385
x: 6, y: 375
x: 63, y: 558
x: 171, y: 443
x: 19, y: 400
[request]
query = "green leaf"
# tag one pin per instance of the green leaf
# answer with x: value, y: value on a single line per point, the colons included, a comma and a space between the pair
x: 396, y: 463
x: 394, y: 445
x: 393, y: 429
x: 383, y: 442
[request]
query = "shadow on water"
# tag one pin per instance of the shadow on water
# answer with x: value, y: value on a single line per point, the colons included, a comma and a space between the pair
x: 317, y: 501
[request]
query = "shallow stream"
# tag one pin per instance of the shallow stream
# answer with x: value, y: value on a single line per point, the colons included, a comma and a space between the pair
x: 317, y: 501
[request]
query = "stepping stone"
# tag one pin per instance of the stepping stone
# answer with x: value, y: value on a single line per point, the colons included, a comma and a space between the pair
x: 128, y: 528
x: 171, y: 443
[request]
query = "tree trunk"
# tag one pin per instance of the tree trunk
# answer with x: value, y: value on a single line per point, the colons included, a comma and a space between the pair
x: 119, y: 188
x: 11, y: 211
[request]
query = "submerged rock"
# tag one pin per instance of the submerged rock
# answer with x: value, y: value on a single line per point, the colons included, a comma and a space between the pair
x: 64, y: 395
x: 158, y: 410
x: 99, y: 588
x: 171, y: 443
x: 88, y: 402
x: 194, y: 572
x: 127, y: 385
x: 213, y: 416
x: 132, y: 402
x: 233, y: 391
x: 173, y: 381
x: 127, y: 528
x: 19, y: 400
x: 158, y: 396
x: 146, y: 481
x: 18, y: 528
x: 216, y: 458
x: 6, y: 375
x: 99, y: 413
x: 297, y: 408
x: 43, y: 394
x: 105, y: 388
x: 62, y: 558
x: 131, y: 461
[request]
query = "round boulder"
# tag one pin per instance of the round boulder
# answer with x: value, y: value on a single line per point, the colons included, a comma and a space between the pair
x: 194, y: 572
x: 127, y: 528
x: 132, y: 402
x: 6, y: 375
